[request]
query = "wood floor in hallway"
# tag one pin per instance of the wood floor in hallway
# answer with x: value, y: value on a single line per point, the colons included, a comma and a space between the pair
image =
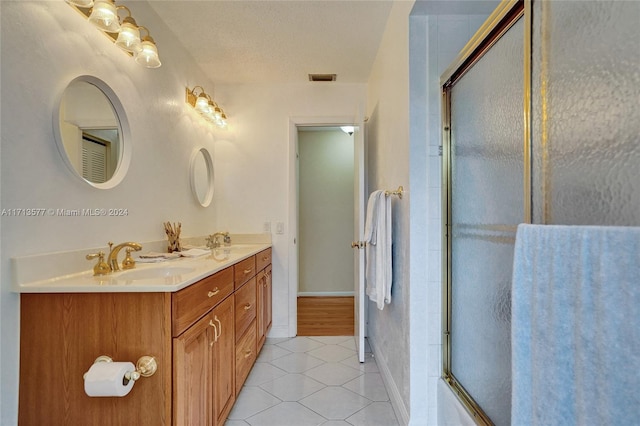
x: 325, y: 316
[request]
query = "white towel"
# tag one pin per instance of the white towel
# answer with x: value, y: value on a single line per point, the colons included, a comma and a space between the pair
x: 576, y: 326
x: 377, y: 235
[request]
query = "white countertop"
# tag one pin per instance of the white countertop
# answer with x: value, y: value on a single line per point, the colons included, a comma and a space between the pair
x: 167, y: 276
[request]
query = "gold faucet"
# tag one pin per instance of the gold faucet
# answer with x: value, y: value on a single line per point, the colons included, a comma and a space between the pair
x: 112, y: 260
x: 212, y: 240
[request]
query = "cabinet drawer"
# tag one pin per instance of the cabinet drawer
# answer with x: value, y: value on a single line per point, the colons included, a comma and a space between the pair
x: 244, y: 270
x: 245, y: 307
x: 245, y: 355
x: 263, y: 259
x: 192, y: 302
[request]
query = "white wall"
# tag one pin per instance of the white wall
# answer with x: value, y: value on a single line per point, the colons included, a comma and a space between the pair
x: 254, y: 167
x: 45, y: 45
x: 388, y: 167
x: 325, y: 211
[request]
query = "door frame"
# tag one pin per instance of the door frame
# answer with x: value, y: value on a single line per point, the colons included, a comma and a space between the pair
x: 292, y: 220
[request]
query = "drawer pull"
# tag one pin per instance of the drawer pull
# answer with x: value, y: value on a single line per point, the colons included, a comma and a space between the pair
x: 215, y: 332
x: 247, y: 354
x: 247, y: 271
x: 213, y: 292
x: 265, y: 258
x: 247, y: 306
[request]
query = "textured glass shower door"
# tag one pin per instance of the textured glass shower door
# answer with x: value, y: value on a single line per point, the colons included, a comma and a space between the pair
x: 586, y: 114
x: 486, y: 195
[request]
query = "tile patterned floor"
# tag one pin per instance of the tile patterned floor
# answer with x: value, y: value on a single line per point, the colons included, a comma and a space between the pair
x: 313, y: 381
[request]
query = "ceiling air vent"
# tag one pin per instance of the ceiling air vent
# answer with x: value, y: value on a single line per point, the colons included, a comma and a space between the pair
x: 322, y: 77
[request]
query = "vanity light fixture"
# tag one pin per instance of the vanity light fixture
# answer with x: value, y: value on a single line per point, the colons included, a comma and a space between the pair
x: 125, y: 34
x: 207, y: 108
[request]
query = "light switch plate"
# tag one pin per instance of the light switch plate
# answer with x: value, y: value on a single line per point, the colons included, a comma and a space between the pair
x: 280, y: 228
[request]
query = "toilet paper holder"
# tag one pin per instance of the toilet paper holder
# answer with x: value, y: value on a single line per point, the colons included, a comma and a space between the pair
x: 145, y: 367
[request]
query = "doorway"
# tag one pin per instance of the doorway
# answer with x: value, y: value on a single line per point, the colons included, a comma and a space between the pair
x: 325, y: 178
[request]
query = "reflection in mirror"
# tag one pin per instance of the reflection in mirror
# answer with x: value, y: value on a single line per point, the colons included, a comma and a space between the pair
x: 202, y: 176
x: 89, y: 132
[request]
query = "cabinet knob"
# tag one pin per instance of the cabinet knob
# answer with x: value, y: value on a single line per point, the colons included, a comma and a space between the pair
x: 213, y: 292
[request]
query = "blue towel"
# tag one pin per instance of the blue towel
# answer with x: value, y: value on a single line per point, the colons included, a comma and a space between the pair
x: 576, y: 326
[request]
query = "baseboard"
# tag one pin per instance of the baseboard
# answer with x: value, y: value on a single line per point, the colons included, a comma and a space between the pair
x: 326, y: 294
x: 394, y: 394
x: 279, y: 331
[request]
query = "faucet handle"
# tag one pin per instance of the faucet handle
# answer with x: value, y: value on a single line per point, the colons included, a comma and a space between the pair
x: 100, y: 268
x: 128, y: 262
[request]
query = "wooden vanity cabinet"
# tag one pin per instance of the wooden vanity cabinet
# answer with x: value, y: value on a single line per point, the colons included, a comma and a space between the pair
x: 204, y: 338
x: 61, y: 335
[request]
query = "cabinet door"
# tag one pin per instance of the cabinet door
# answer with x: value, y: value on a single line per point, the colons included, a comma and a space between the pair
x: 261, y: 314
x: 193, y: 373
x: 224, y: 353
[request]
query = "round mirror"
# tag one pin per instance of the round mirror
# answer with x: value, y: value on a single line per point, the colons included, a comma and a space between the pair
x: 89, y: 127
x: 202, y: 176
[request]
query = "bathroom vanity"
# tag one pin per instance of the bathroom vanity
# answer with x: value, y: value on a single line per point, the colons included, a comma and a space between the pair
x: 204, y: 320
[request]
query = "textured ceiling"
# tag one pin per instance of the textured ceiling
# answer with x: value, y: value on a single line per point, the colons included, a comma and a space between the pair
x: 278, y: 41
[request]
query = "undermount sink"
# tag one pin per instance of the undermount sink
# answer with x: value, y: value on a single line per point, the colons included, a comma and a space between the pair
x: 154, y: 273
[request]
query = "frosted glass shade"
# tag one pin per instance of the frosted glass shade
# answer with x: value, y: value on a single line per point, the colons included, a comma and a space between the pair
x: 202, y: 105
x: 148, y: 55
x: 104, y: 16
x: 129, y: 36
x: 85, y: 4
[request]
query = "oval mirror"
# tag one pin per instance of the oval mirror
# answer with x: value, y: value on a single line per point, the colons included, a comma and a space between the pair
x: 201, y: 170
x: 90, y: 128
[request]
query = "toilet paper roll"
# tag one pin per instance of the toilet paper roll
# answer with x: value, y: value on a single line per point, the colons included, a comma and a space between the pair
x: 106, y: 379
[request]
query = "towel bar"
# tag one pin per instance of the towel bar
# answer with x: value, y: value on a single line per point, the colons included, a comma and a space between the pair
x: 397, y: 192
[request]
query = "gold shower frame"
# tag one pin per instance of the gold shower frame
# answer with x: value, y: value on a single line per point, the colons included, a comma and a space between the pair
x: 499, y: 22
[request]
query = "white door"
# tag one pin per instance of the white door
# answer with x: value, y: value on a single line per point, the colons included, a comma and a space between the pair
x: 360, y: 301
